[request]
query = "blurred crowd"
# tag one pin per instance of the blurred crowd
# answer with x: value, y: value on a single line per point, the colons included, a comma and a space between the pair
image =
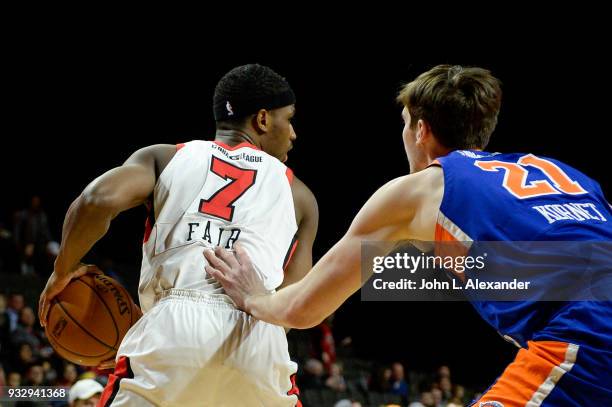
x: 27, y: 253
x: 26, y: 242
x: 333, y: 377
x: 26, y: 357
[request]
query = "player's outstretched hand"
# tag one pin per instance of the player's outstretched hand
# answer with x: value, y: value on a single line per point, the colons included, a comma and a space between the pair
x: 56, y: 285
x: 107, y: 364
x: 236, y: 274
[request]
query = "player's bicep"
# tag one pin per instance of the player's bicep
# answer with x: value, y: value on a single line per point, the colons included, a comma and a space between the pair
x: 129, y: 185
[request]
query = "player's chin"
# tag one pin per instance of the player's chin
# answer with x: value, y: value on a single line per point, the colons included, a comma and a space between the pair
x: 286, y: 155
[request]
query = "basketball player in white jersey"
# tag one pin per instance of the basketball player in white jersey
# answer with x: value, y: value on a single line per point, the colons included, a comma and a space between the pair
x: 192, y: 347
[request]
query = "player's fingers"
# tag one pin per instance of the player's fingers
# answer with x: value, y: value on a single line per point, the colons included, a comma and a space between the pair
x: 215, y: 262
x: 93, y: 269
x: 241, y: 255
x: 44, y: 312
x: 227, y: 257
x: 86, y: 269
x: 216, y: 274
x: 107, y: 364
x: 41, y: 307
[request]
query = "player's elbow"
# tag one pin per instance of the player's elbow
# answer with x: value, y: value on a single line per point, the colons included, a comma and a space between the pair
x: 94, y: 200
x: 297, y: 321
x: 299, y: 317
x: 305, y: 322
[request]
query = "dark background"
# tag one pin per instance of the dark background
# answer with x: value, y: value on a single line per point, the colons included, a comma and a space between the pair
x: 77, y: 110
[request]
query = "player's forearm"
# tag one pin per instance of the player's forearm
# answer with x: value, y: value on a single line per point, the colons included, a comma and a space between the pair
x: 277, y: 308
x: 85, y: 223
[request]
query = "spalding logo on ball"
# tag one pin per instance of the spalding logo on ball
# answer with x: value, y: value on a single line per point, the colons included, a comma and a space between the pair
x: 105, y: 284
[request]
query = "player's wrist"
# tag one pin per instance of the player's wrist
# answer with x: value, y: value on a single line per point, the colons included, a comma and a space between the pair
x: 248, y: 304
x: 252, y: 303
x: 64, y: 269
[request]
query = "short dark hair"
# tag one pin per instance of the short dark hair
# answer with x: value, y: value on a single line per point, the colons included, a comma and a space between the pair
x: 460, y: 104
x: 245, y: 90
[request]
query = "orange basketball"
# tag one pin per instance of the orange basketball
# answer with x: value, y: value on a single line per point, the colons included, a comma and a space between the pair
x: 88, y: 320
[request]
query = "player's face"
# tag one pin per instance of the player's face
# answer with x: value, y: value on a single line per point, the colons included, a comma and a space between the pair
x: 279, y: 139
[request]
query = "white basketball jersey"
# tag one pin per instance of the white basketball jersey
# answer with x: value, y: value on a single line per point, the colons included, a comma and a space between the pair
x: 211, y: 194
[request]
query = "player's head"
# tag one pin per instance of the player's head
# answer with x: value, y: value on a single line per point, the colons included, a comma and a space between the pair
x: 256, y: 100
x: 448, y: 108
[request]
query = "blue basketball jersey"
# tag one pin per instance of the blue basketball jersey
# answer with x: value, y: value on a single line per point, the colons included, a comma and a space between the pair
x: 526, y: 198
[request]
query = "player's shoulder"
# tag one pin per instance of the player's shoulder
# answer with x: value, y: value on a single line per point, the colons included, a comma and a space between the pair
x: 304, y: 200
x: 301, y: 191
x: 424, y: 187
x: 155, y: 153
x: 418, y: 182
x: 160, y: 155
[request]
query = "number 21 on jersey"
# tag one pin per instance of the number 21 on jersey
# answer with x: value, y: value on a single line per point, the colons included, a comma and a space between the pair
x: 515, y: 177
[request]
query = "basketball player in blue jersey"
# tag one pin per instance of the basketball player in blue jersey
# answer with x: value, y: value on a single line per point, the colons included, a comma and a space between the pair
x: 192, y: 347
x: 457, y: 192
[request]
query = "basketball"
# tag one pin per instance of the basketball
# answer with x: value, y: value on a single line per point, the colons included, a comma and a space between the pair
x: 89, y: 318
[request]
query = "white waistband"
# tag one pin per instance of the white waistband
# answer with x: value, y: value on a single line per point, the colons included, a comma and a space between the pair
x: 220, y: 300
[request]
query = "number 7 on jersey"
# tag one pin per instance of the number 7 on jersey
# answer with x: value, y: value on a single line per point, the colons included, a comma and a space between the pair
x: 220, y: 204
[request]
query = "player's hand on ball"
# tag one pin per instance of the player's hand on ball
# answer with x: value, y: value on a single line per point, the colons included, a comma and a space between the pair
x: 107, y: 364
x: 57, y: 283
x: 236, y: 274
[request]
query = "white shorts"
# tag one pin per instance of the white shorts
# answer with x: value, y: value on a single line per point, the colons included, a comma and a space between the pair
x: 196, y: 349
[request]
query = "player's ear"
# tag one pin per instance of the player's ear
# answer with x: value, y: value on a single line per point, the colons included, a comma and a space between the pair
x: 423, y: 132
x: 261, y: 121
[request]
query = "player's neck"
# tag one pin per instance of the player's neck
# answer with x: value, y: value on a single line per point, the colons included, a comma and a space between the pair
x: 234, y: 137
x: 437, y: 152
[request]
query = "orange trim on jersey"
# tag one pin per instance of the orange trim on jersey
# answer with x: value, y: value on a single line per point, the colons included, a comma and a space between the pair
x: 148, y: 230
x: 293, y: 247
x: 531, y: 368
x: 148, y: 224
x: 106, y: 395
x: 448, y: 245
x: 295, y: 390
x: 289, y: 174
x: 443, y: 235
x: 237, y: 146
x: 179, y: 146
x: 122, y: 371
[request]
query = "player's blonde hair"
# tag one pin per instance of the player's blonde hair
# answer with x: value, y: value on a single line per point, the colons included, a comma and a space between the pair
x: 460, y: 104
